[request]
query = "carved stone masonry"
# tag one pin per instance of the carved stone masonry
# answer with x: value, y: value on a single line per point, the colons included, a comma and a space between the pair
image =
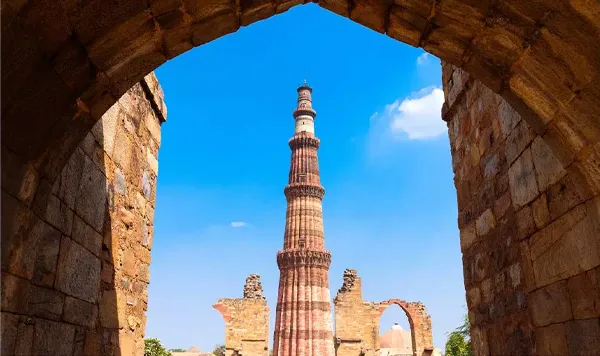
x: 350, y: 276
x: 253, y: 288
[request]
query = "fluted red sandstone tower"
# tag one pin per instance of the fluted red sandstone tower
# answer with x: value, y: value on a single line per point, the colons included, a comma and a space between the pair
x: 303, y: 324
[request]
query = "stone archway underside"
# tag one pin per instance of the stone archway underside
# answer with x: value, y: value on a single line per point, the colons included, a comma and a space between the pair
x: 65, y: 63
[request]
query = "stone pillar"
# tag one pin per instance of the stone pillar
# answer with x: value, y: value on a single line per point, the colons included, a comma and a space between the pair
x: 529, y: 226
x: 303, y: 322
x: 75, y: 272
x: 246, y: 321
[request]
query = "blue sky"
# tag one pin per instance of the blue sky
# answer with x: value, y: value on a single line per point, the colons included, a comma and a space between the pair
x: 390, y: 205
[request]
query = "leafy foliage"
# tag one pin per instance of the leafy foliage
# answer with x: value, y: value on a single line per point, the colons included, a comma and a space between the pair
x: 153, y: 347
x: 459, y: 340
x: 177, y: 350
x: 219, y: 350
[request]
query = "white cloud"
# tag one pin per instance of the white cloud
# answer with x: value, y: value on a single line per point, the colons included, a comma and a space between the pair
x: 238, y: 224
x: 423, y: 58
x: 418, y: 116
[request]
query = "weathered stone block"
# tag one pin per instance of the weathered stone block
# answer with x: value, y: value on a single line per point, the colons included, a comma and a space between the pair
x: 53, y: 338
x: 502, y: 205
x: 584, y: 290
x: 565, y: 194
x: 474, y: 297
x: 113, y: 309
x: 468, y: 236
x: 92, y: 343
x: 522, y: 180
x: 518, y: 140
x: 24, y: 336
x: 18, y: 179
x: 509, y: 118
x: 17, y: 220
x: 70, y: 178
x: 541, y: 215
x: 548, y: 304
x: 583, y: 336
x: 566, y: 247
x: 525, y: 222
x: 91, y: 200
x: 45, y: 303
x: 485, y: 222
x: 87, y: 236
x: 79, y: 312
x: 548, y: 168
x: 78, y: 272
x: 551, y: 340
x: 9, y: 327
x: 15, y: 291
x: 48, y: 240
x: 59, y: 215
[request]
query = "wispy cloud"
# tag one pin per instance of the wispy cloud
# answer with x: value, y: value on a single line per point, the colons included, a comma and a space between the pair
x: 236, y: 224
x: 423, y: 58
x: 417, y: 117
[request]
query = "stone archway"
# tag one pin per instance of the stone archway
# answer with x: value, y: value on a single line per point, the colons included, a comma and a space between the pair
x: 66, y: 63
x: 419, y: 321
x: 357, y: 322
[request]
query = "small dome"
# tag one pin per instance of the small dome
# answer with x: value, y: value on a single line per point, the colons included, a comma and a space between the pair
x: 396, y: 338
x: 194, y: 349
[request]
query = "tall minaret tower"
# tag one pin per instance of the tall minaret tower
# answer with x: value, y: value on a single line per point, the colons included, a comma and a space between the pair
x: 303, y: 324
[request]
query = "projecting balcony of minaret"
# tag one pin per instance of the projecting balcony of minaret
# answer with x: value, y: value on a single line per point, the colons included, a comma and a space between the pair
x: 304, y: 139
x: 306, y: 110
x: 295, y: 190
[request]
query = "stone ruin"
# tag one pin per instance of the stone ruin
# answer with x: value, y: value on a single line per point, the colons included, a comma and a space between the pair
x: 253, y: 288
x: 357, y: 321
x: 246, y: 321
x: 349, y: 279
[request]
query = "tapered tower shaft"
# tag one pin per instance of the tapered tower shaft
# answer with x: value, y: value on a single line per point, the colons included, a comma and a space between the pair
x: 303, y: 323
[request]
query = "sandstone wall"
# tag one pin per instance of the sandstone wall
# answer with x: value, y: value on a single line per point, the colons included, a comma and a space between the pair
x: 529, y: 227
x: 357, y: 322
x: 75, y: 269
x: 246, y: 321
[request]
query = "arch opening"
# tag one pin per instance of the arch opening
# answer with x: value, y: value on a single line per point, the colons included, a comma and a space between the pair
x: 75, y: 70
x: 396, y: 332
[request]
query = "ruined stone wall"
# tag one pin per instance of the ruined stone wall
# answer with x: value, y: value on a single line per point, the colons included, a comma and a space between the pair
x: 529, y: 227
x: 357, y: 322
x: 246, y: 321
x: 75, y: 269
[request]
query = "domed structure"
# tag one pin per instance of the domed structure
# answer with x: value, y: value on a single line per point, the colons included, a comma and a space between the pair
x: 395, y: 342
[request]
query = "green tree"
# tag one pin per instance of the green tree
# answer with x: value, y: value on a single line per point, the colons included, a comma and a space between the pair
x: 459, y: 340
x: 177, y: 350
x: 153, y: 347
x: 219, y: 350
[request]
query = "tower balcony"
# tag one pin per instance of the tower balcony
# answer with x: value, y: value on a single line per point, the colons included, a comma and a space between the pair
x: 305, y: 111
x: 303, y: 140
x: 296, y: 258
x: 303, y: 190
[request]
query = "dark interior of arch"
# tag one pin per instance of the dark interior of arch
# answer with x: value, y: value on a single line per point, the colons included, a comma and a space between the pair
x: 81, y: 119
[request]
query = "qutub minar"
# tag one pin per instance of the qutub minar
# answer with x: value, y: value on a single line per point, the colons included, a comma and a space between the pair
x: 303, y: 323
